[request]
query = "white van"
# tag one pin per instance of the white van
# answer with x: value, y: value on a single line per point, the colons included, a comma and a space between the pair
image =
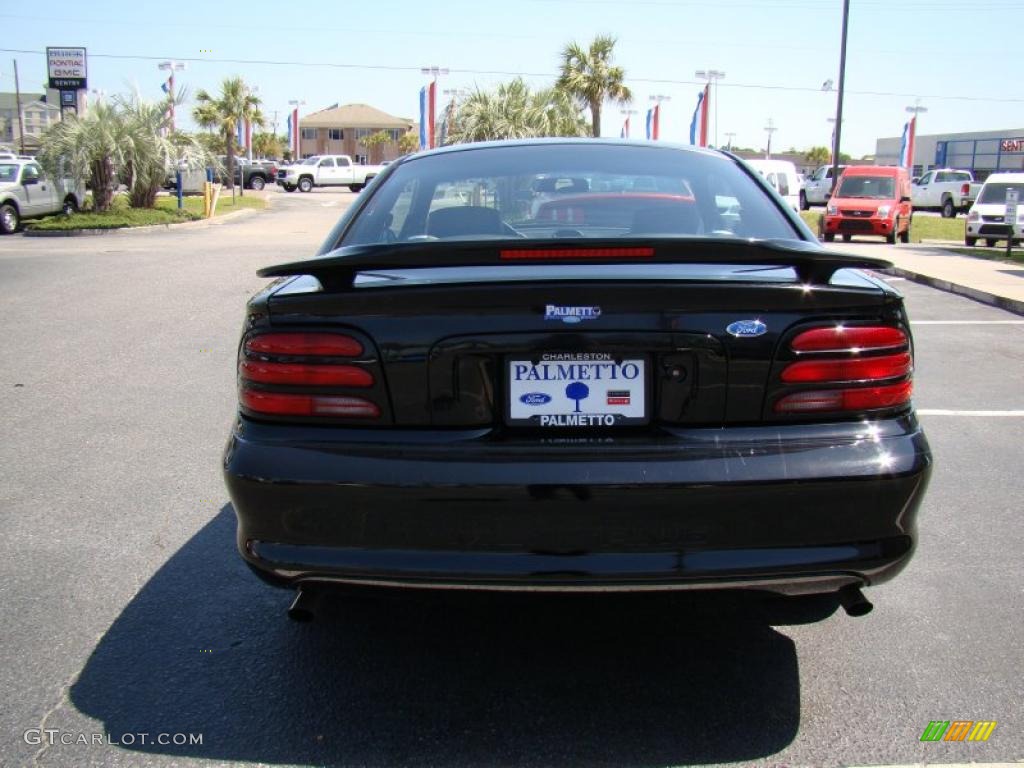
x: 987, y: 218
x: 782, y: 175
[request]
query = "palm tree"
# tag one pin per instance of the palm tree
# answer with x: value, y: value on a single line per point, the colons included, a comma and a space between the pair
x: 409, y: 142
x: 374, y: 140
x: 587, y: 75
x: 89, y: 148
x: 513, y: 111
x: 235, y: 104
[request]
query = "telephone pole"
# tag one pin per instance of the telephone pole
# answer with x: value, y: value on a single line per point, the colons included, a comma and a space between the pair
x: 770, y: 128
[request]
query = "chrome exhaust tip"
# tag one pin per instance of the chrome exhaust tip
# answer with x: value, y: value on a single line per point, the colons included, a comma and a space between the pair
x: 303, y: 607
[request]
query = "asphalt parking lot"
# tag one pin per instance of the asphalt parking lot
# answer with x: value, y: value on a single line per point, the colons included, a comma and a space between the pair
x: 127, y: 611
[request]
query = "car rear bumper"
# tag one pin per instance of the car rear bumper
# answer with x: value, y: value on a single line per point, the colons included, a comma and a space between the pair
x: 791, y: 509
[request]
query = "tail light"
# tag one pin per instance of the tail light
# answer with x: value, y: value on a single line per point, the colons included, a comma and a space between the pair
x: 312, y: 374
x: 846, y: 369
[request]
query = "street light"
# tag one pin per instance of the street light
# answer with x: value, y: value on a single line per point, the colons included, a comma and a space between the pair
x: 173, y: 66
x: 770, y: 128
x: 712, y: 76
x: 730, y: 135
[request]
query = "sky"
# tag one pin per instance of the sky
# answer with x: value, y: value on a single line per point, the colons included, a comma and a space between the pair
x: 961, y: 60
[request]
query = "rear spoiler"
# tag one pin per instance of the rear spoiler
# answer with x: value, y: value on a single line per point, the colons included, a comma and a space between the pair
x: 337, y: 270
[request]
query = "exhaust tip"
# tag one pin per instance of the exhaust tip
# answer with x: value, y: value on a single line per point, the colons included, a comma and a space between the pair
x: 303, y: 607
x: 854, y: 602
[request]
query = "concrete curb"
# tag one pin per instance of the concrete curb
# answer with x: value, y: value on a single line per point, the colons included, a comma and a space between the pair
x: 148, y: 228
x: 993, y: 300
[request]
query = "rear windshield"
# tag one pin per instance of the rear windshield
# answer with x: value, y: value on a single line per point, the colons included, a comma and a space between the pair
x: 996, y: 192
x: 875, y: 187
x: 8, y: 172
x: 546, y: 191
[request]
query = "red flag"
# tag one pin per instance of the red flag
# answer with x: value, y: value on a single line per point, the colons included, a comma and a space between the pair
x: 295, y: 134
x: 431, y: 100
x: 704, y: 115
x: 910, y: 143
x: 655, y: 122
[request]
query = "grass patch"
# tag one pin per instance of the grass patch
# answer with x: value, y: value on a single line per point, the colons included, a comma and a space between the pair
x: 121, y: 216
x: 992, y: 254
x: 921, y: 228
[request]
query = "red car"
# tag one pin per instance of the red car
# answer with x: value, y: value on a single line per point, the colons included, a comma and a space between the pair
x: 870, y: 200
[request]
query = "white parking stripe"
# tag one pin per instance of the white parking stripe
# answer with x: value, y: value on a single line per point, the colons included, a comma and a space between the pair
x: 946, y: 412
x: 967, y: 322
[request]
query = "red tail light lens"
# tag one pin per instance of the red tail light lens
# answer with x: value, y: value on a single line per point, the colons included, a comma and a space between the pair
x: 298, y: 344
x: 854, y: 339
x: 307, y: 375
x: 287, y: 404
x: 861, y: 399
x: 857, y: 369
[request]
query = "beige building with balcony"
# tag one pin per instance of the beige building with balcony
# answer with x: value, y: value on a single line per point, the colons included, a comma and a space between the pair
x: 339, y: 130
x: 36, y: 115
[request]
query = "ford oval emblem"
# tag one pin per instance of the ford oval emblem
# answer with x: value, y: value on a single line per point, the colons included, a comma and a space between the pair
x: 535, y: 398
x: 746, y: 329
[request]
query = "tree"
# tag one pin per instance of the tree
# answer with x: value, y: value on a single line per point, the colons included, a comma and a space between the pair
x: 409, y: 142
x: 268, y: 145
x: 234, y: 104
x: 88, y: 148
x: 513, y: 111
x: 818, y: 155
x: 375, y: 140
x: 587, y: 75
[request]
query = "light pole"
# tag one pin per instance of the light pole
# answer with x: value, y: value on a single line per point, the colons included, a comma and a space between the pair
x: 296, y: 137
x: 832, y: 145
x: 436, y: 72
x: 712, y: 76
x: 657, y: 98
x: 770, y: 129
x: 729, y: 135
x: 915, y: 111
x: 628, y: 113
x: 173, y: 66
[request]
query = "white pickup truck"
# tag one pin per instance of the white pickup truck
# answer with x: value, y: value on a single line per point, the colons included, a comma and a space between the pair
x: 326, y: 171
x: 25, y: 193
x: 818, y: 187
x: 944, y: 189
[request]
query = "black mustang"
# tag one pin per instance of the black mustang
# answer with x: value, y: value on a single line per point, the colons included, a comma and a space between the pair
x: 576, y: 365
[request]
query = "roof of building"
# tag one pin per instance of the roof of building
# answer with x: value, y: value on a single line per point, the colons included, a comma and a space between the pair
x: 7, y: 99
x: 353, y: 116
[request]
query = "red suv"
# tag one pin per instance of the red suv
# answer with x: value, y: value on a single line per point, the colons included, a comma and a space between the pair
x: 870, y: 200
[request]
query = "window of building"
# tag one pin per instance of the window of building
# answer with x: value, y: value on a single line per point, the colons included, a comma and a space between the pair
x: 396, y: 133
x: 335, y: 134
x: 308, y: 133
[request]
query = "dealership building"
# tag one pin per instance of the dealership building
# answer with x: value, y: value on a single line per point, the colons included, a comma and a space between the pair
x: 982, y: 152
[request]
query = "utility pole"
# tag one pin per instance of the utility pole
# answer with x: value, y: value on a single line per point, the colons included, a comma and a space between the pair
x: 17, y: 99
x: 712, y: 76
x: 839, y: 101
x: 770, y: 128
x: 730, y: 135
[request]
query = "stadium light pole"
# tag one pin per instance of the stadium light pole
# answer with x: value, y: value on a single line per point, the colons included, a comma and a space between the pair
x: 173, y: 66
x: 712, y: 76
x: 839, y: 99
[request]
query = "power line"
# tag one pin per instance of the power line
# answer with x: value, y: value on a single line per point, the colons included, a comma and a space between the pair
x: 508, y: 73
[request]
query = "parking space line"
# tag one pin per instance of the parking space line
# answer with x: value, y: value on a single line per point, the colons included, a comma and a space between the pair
x: 967, y: 322
x: 948, y: 412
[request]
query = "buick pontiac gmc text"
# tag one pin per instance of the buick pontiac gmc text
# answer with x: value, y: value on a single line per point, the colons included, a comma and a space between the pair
x: 576, y: 365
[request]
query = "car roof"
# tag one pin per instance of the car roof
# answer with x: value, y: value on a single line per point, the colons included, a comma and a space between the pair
x: 1005, y: 177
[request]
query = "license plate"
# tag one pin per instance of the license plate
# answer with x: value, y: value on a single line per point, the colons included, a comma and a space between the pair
x: 590, y: 389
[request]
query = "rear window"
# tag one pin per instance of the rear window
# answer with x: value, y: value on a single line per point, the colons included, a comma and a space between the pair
x: 550, y: 190
x: 875, y: 187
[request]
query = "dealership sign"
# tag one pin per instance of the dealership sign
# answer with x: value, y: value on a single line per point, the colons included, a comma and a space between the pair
x: 1012, y: 145
x: 66, y: 67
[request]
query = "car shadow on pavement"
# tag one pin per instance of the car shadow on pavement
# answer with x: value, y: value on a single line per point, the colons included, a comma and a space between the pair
x: 388, y: 678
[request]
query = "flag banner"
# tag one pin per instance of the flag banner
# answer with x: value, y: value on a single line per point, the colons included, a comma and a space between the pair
x: 432, y: 93
x: 289, y: 131
x: 423, y: 117
x: 911, y: 131
x: 697, y: 120
x: 650, y: 115
x: 248, y: 134
x: 656, y: 122
x: 296, y: 134
x: 704, y: 115
x: 165, y: 86
x: 625, y: 129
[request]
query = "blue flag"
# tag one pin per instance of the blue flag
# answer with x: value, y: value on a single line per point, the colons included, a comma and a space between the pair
x: 289, y: 130
x: 650, y: 119
x: 696, y: 117
x: 423, y: 117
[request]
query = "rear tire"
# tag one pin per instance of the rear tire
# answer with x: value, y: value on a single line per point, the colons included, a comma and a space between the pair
x: 990, y: 242
x: 355, y: 187
x: 305, y: 184
x: 288, y: 187
x: 9, y: 219
x: 257, y: 183
x: 70, y: 206
x: 948, y: 209
x: 847, y: 238
x: 970, y: 241
x: 829, y: 237
x: 804, y: 205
